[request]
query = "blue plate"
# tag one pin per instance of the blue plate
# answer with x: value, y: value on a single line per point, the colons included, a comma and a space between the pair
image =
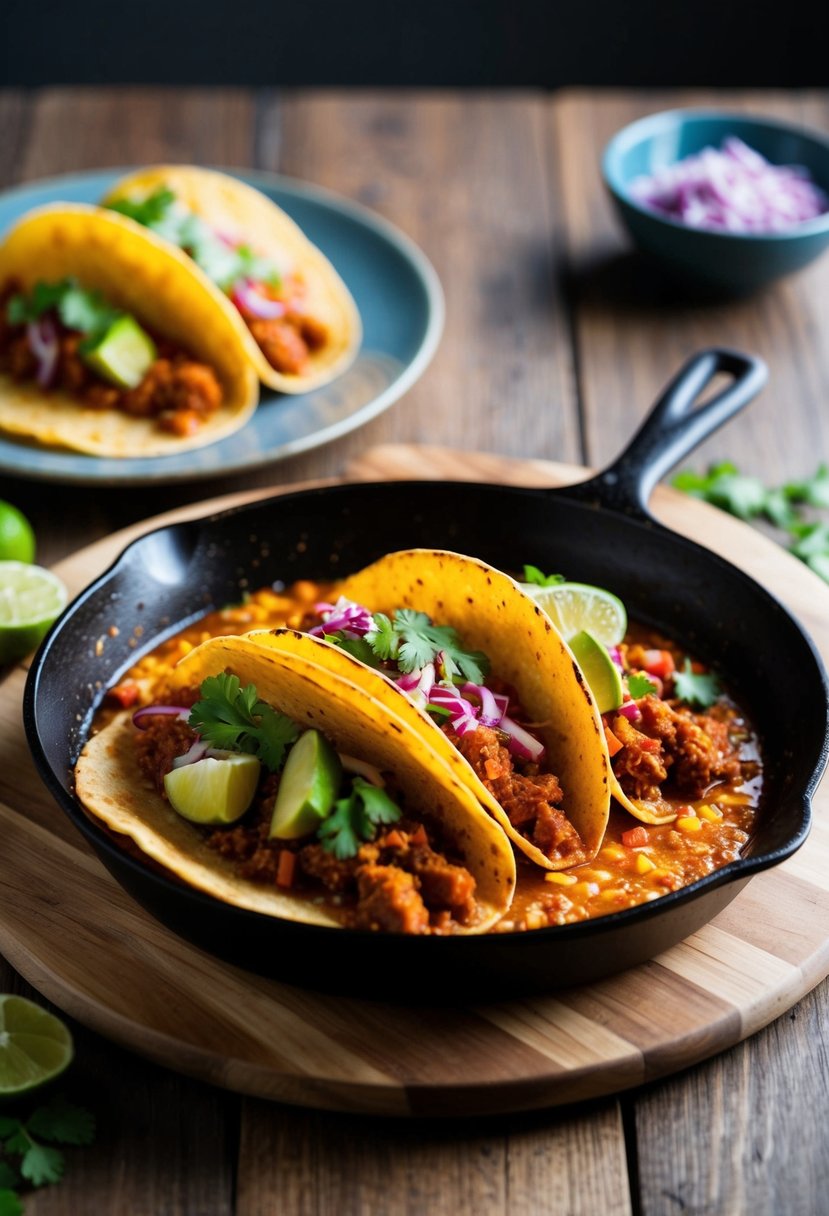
x: 400, y: 302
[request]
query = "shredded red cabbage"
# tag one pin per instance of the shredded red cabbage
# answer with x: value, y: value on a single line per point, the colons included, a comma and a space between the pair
x: 733, y: 189
x: 352, y: 620
x: 247, y: 298
x: 175, y: 711
x: 42, y: 336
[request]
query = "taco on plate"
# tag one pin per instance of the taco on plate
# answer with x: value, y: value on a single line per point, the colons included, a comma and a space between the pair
x: 460, y: 653
x: 109, y: 344
x: 298, y: 320
x: 264, y: 781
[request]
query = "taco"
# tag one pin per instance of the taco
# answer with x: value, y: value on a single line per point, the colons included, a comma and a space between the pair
x: 478, y: 671
x: 298, y: 320
x: 109, y: 344
x: 351, y: 821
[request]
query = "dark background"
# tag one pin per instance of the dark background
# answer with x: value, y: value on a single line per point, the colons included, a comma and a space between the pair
x: 416, y: 42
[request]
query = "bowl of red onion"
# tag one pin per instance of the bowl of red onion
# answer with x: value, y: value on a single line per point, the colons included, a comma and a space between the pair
x: 727, y: 201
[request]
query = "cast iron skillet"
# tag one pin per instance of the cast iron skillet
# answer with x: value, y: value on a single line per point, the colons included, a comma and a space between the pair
x: 596, y: 532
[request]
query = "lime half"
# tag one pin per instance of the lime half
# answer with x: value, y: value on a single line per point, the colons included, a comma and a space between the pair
x: 30, y: 600
x: 17, y: 540
x: 35, y: 1046
x: 603, y: 676
x: 573, y: 607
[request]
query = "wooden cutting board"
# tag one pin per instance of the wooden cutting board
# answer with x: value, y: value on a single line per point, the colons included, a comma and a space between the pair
x: 79, y: 939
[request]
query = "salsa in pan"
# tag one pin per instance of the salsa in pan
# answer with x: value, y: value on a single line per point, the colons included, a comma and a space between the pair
x: 680, y: 748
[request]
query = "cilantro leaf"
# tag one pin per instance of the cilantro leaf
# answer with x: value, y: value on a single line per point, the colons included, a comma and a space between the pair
x: 356, y: 818
x: 147, y: 211
x: 41, y: 1164
x: 814, y: 491
x: 696, y: 688
x: 8, y: 1126
x: 412, y: 641
x: 639, y: 685
x: 359, y: 648
x: 10, y: 1203
x: 812, y: 540
x: 778, y: 508
x: 232, y: 718
x: 85, y: 311
x: 19, y: 1142
x: 63, y: 1121
x: 532, y: 574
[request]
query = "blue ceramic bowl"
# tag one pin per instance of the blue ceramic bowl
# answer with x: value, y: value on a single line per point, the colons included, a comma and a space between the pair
x: 726, y: 261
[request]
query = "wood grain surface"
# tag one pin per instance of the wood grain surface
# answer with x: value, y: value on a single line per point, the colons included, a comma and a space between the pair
x: 256, y: 1036
x: 741, y: 1132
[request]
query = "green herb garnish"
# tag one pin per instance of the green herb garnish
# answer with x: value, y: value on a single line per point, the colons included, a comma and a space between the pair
x: 640, y: 686
x: 225, y: 264
x: 232, y: 718
x: 787, y: 507
x: 532, y: 574
x: 411, y: 641
x: 356, y: 818
x: 696, y: 688
x: 78, y: 309
x: 38, y: 1163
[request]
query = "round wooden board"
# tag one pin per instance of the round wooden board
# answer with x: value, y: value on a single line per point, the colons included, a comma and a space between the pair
x: 78, y: 938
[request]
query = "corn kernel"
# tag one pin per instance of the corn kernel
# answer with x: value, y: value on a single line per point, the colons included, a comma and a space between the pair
x: 644, y: 864
x: 586, y: 888
x: 613, y: 852
x: 612, y: 895
x: 689, y: 824
x: 563, y: 880
x: 591, y: 875
x: 734, y: 799
x: 712, y: 813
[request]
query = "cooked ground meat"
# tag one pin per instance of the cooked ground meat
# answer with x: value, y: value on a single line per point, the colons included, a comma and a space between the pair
x: 157, y: 746
x: 281, y: 343
x: 177, y: 391
x: 673, y: 743
x: 529, y: 798
x: 388, y: 900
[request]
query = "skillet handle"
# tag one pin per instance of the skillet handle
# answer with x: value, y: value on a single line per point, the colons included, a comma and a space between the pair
x: 673, y: 428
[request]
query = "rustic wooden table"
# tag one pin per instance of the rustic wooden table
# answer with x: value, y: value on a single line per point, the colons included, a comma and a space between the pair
x: 557, y: 340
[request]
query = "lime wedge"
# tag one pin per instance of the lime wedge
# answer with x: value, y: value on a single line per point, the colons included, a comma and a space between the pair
x: 122, y: 354
x: 308, y: 787
x: 35, y: 1046
x: 17, y: 540
x: 573, y: 607
x: 603, y: 676
x: 213, y: 792
x: 30, y: 600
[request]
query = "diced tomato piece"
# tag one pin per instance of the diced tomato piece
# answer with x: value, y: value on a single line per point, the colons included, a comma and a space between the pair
x: 659, y: 663
x: 393, y: 840
x: 635, y: 838
x: 124, y: 695
x: 286, y: 868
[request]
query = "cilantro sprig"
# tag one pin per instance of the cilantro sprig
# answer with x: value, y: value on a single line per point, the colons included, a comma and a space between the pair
x: 696, y: 688
x: 224, y: 263
x: 790, y: 508
x: 640, y: 685
x: 78, y: 309
x: 411, y: 641
x: 232, y: 718
x: 356, y: 818
x: 30, y: 1141
x: 532, y: 574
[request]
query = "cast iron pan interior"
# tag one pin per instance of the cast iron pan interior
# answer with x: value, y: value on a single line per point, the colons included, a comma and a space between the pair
x: 597, y: 532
